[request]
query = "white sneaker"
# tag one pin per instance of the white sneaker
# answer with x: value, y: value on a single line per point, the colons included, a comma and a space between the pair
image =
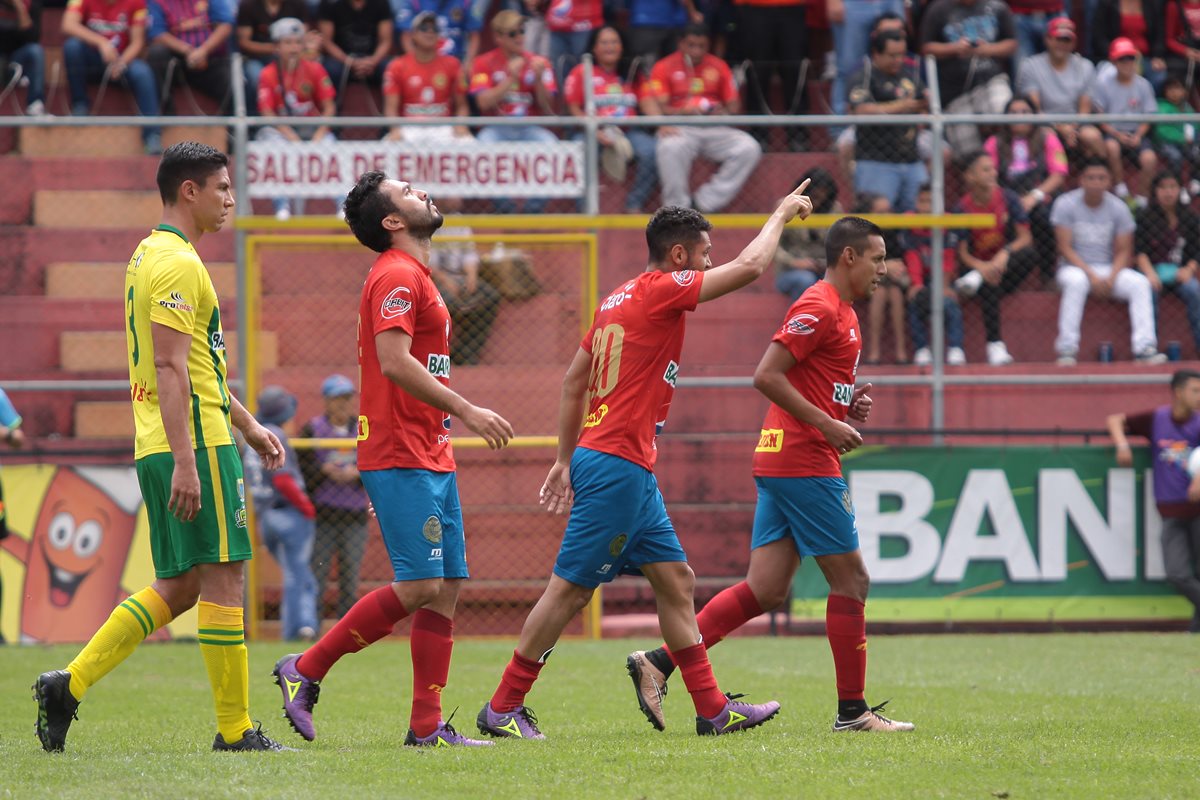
x: 1066, y: 360
x: 36, y: 109
x: 998, y: 355
x: 923, y: 357
x: 1121, y: 191
x: 969, y: 283
x: 1150, y: 357
x: 1193, y: 187
x: 955, y: 357
x: 283, y: 214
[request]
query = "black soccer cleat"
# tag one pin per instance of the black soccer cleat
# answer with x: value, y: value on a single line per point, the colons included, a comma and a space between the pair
x: 252, y: 739
x: 57, y: 707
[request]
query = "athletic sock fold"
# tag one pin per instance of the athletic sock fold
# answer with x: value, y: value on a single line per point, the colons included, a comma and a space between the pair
x: 222, y: 636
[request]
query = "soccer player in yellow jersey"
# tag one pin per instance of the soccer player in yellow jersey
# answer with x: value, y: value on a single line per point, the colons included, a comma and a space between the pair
x: 187, y: 463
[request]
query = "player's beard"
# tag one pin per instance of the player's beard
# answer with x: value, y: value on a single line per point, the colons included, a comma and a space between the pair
x: 423, y: 224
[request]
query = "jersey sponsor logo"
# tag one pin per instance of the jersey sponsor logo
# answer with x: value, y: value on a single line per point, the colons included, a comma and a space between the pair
x: 843, y: 393
x: 397, y: 303
x: 364, y: 428
x: 176, y: 303
x: 685, y: 277
x: 672, y: 373
x: 217, y: 342
x: 439, y: 365
x: 615, y: 299
x: 432, y: 530
x: 802, y: 324
x: 853, y: 335
x: 770, y: 440
x: 596, y: 417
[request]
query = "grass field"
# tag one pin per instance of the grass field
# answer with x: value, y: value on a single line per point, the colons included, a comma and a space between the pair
x: 1054, y: 716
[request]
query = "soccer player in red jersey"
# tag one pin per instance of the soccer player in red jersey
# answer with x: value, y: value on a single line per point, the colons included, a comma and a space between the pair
x: 405, y: 460
x: 804, y: 506
x: 615, y: 399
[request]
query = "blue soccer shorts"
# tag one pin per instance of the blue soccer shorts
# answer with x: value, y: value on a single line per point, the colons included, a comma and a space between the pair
x: 618, y: 521
x: 815, y: 512
x: 421, y: 521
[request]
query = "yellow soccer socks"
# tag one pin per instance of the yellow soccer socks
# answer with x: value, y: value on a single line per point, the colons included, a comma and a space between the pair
x: 132, y: 621
x: 223, y: 645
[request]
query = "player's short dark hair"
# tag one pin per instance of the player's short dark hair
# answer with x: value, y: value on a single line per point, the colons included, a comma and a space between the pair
x: 1093, y: 161
x: 187, y: 161
x: 672, y: 225
x: 884, y: 17
x: 925, y: 187
x: 366, y: 207
x: 695, y: 29
x: 849, y: 232
x: 880, y: 39
x: 968, y: 160
x: 1182, y: 376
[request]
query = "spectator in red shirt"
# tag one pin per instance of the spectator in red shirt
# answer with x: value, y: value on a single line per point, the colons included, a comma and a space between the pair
x: 571, y: 23
x: 254, y: 20
x: 615, y: 99
x: 690, y: 82
x: 105, y: 37
x: 292, y: 86
x: 1142, y: 22
x: 424, y: 84
x: 510, y: 81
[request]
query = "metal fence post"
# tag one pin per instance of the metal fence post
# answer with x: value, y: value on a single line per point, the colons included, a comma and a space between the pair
x: 937, y: 282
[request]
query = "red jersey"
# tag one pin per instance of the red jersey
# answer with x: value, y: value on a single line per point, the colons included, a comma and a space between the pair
x: 490, y: 69
x: 112, y: 19
x: 821, y: 332
x: 676, y: 83
x: 635, y: 341
x: 1010, y: 217
x: 394, y: 428
x: 614, y: 98
x: 428, y: 89
x: 574, y: 16
x: 302, y: 92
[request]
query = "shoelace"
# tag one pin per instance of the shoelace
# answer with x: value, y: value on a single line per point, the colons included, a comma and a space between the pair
x: 267, y: 741
x: 529, y: 716
x: 875, y: 710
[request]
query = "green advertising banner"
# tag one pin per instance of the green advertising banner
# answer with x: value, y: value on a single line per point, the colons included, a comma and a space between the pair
x: 1003, y: 534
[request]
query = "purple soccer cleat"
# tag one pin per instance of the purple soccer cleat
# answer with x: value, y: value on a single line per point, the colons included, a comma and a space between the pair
x: 443, y: 736
x: 520, y: 723
x: 736, y: 717
x: 299, y: 695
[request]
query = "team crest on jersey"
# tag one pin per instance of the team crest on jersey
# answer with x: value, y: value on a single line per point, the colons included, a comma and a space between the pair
x: 802, y: 324
x: 684, y: 277
x: 397, y: 303
x: 846, y: 504
x: 439, y: 81
x: 432, y: 530
x: 617, y: 545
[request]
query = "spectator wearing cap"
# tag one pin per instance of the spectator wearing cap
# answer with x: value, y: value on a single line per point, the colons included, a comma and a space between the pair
x: 972, y: 41
x: 1031, y: 21
x: 254, y: 20
x: 285, y: 516
x: 1060, y: 81
x: 615, y: 99
x: 194, y: 36
x: 337, y: 491
x: 458, y: 24
x: 292, y: 86
x: 1140, y: 21
x: 510, y: 81
x: 105, y: 39
x: 356, y: 37
x: 1123, y: 91
x: 692, y: 81
x: 424, y: 83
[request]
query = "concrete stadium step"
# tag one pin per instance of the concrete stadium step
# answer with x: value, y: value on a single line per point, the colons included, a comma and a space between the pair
x: 95, y: 208
x: 107, y: 141
x: 103, y: 419
x: 102, y: 281
x: 104, y: 351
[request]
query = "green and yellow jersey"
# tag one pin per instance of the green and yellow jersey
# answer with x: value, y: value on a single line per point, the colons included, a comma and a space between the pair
x: 166, y: 282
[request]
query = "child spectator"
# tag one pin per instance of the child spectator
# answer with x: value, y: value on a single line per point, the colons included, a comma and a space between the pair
x: 917, y: 246
x: 1167, y: 247
x: 888, y: 299
x: 1176, y: 141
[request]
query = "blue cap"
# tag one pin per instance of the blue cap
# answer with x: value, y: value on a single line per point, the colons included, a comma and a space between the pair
x: 337, y: 386
x: 276, y: 405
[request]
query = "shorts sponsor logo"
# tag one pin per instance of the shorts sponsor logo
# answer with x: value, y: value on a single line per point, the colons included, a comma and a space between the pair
x: 432, y: 530
x: 672, y: 373
x: 846, y: 504
x: 596, y: 417
x: 604, y: 569
x: 239, y: 518
x: 685, y: 277
x: 802, y: 324
x: 397, y: 303
x: 439, y: 365
x: 435, y: 554
x: 770, y: 440
x: 176, y: 303
x: 617, y: 545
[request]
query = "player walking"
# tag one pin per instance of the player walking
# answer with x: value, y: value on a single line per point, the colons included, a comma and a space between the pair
x: 405, y: 460
x: 804, y: 505
x: 618, y: 390
x: 188, y: 466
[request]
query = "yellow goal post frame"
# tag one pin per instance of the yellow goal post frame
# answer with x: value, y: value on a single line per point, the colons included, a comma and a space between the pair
x: 252, y: 297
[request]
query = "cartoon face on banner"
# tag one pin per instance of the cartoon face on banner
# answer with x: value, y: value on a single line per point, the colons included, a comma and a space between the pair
x: 76, y: 557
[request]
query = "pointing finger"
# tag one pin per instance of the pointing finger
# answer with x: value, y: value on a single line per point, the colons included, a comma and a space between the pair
x: 800, y: 189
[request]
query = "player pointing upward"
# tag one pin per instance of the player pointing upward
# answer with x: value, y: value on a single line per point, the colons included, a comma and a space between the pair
x: 615, y: 398
x: 804, y: 506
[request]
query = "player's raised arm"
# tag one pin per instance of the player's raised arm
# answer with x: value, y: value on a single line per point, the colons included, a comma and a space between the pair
x: 754, y: 260
x: 400, y: 367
